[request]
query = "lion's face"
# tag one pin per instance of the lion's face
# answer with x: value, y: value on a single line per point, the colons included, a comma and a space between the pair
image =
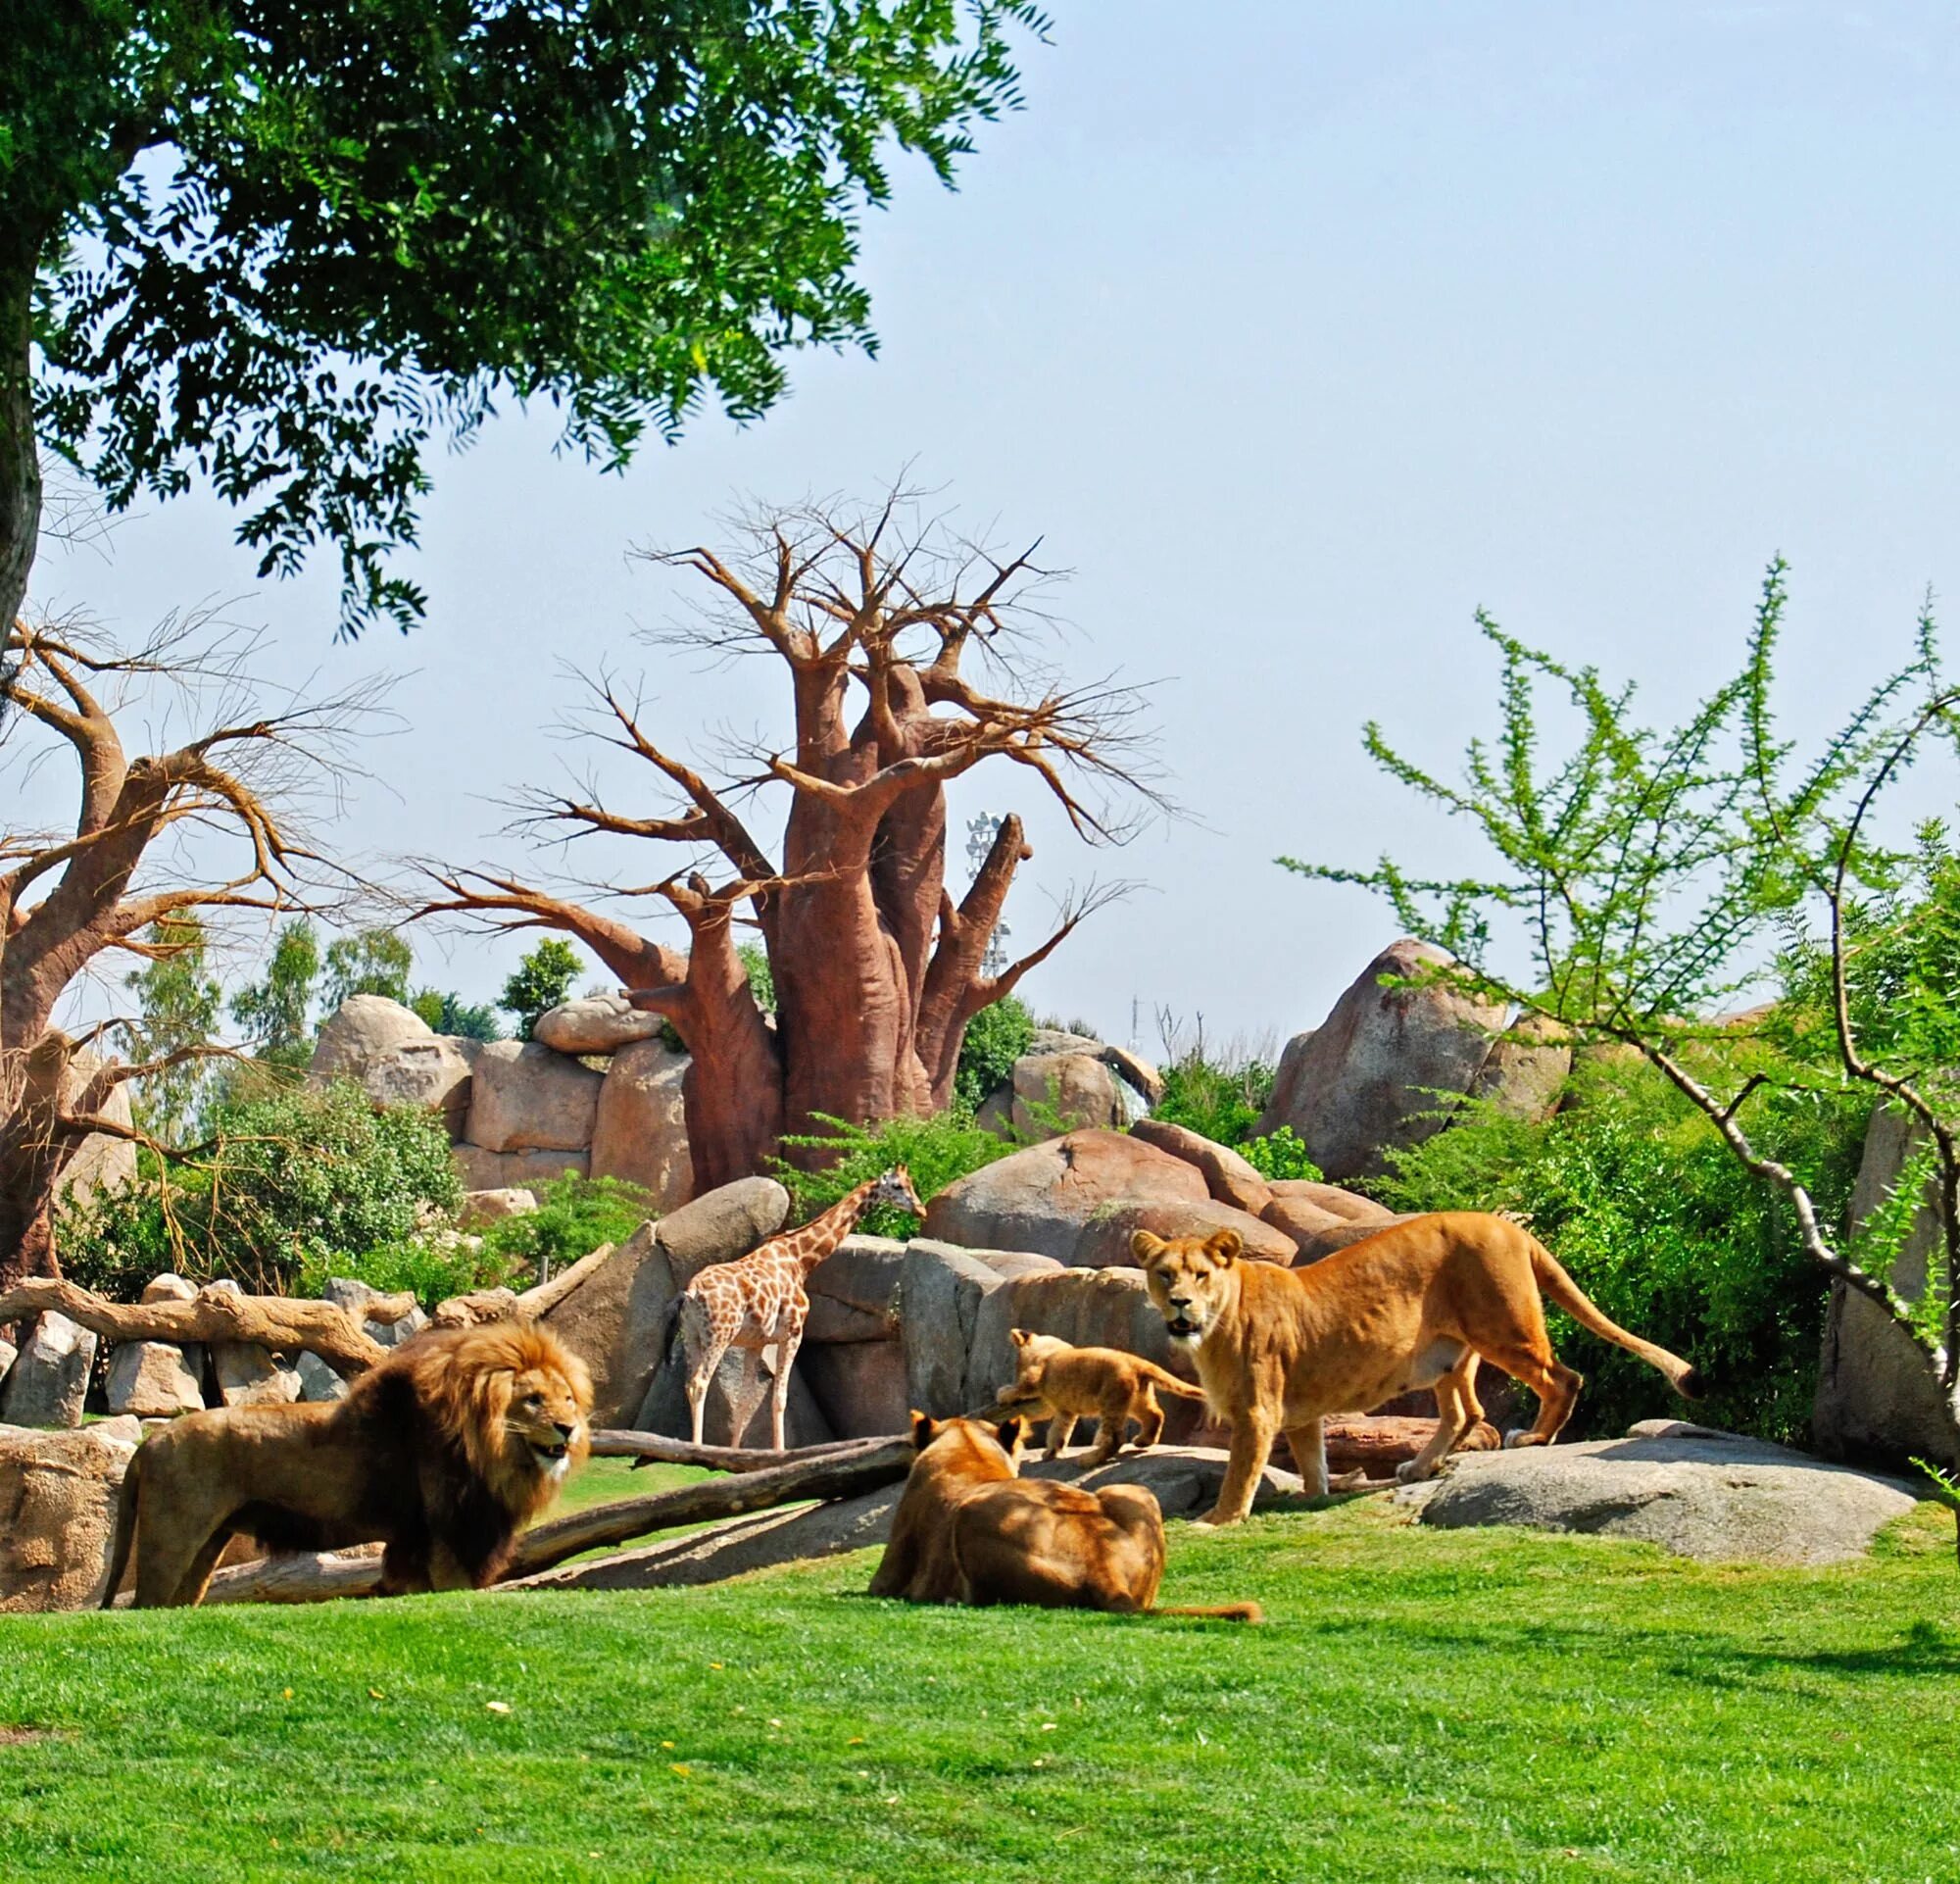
x: 1191, y: 1280
x: 546, y: 1420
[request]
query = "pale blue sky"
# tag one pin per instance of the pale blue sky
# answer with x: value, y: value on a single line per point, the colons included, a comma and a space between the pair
x: 1300, y: 330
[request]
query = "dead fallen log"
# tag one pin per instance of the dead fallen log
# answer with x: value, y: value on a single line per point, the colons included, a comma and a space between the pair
x: 282, y: 1324
x: 860, y: 1466
x: 504, y: 1305
x: 1377, y: 1444
x: 654, y: 1449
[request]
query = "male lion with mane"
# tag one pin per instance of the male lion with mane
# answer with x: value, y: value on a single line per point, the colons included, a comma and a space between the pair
x: 442, y: 1452
x: 1277, y: 1350
x: 969, y: 1529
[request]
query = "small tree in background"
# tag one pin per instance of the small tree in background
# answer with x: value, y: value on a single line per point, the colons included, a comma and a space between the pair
x: 181, y: 1004
x: 1643, y: 880
x: 450, y: 1014
x: 373, y: 961
x: 276, y: 1012
x: 542, y: 980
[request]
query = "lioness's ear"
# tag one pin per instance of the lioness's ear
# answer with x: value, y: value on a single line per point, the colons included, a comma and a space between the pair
x: 923, y: 1429
x: 1147, y: 1248
x: 1021, y: 1337
x: 1222, y: 1246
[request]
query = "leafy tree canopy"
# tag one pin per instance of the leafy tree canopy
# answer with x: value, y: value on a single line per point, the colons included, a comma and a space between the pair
x: 279, y: 246
x: 542, y: 980
x: 374, y: 961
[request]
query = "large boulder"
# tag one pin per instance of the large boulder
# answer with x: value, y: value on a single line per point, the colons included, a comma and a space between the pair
x: 1104, y: 1242
x: 1077, y: 1089
x: 479, y: 1170
x: 58, y: 1512
x: 1230, y: 1176
x: 396, y: 1058
x: 49, y: 1380
x: 939, y: 1292
x: 612, y: 1319
x: 1877, y: 1395
x: 854, y: 1292
x: 722, y: 1224
x: 153, y: 1381
x: 639, y: 1132
x: 859, y: 1386
x: 1367, y: 1078
x: 737, y: 1412
x: 1693, y: 1491
x: 481, y: 1208
x: 595, y: 1024
x: 1527, y: 1068
x: 1041, y: 1199
x: 526, y: 1098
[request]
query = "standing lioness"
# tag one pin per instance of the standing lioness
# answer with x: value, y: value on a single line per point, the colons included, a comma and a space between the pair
x: 1277, y: 1350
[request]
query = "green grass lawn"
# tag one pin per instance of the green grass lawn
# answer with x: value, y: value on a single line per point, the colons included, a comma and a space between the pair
x: 1421, y: 1706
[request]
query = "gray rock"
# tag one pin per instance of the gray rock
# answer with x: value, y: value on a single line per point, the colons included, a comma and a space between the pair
x: 396, y: 1058
x: 1368, y: 1076
x: 858, y: 1386
x: 1876, y: 1395
x: 392, y: 1334
x: 1527, y: 1068
x: 8, y: 1350
x: 721, y: 1225
x: 170, y: 1287
x: 595, y: 1024
x: 154, y: 1380
x: 737, y: 1412
x: 49, y: 1380
x: 58, y: 1512
x: 640, y: 1130
x: 854, y: 1292
x: 494, y: 1207
x: 524, y: 1096
x: 249, y: 1376
x: 102, y: 1162
x: 939, y: 1292
x: 614, y: 1320
x: 1054, y: 1040
x: 318, y: 1381
x: 1693, y: 1491
x: 479, y: 1170
x: 348, y: 1292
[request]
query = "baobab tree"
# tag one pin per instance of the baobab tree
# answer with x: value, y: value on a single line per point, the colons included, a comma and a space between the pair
x: 210, y: 824
x: 879, y: 619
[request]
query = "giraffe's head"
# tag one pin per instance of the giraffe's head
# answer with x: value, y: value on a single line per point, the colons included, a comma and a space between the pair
x: 894, y: 1187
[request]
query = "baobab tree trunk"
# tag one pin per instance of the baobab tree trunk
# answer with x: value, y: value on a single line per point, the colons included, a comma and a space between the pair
x: 876, y: 968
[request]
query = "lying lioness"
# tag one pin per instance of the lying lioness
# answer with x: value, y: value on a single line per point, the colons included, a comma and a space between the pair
x: 969, y: 1531
x: 1065, y: 1385
x: 1413, y: 1307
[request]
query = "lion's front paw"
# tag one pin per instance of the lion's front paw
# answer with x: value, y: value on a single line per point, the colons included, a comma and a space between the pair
x: 1412, y: 1472
x: 1520, y: 1436
x: 1218, y: 1517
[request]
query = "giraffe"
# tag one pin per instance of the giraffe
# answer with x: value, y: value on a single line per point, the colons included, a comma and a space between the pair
x: 758, y: 1302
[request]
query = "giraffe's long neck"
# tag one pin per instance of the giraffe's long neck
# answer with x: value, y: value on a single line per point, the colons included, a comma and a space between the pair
x: 822, y: 1234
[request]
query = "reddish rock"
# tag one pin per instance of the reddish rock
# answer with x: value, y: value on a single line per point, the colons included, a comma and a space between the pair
x: 1350, y: 1205
x: 1377, y: 1445
x: 1104, y: 1242
x: 1229, y: 1177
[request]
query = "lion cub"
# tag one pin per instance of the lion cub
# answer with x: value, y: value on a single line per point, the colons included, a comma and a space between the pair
x: 1066, y: 1384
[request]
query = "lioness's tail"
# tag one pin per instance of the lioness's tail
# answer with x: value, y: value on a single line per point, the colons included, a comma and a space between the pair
x: 1164, y: 1381
x: 1220, y: 1612
x: 126, y: 1529
x: 1569, y: 1296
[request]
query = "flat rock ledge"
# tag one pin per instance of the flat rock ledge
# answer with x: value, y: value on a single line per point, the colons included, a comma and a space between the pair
x: 1695, y: 1491
x: 1185, y: 1478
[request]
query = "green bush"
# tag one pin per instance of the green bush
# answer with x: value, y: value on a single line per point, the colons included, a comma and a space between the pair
x: 1638, y: 1197
x: 936, y: 1150
x: 299, y: 1180
x: 1281, y: 1154
x: 996, y: 1037
x: 574, y: 1216
x: 542, y: 980
x: 1224, y: 1103
x: 431, y: 1268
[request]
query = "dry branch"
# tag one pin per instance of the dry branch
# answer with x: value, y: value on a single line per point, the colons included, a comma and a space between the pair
x: 274, y: 1321
x: 652, y: 1449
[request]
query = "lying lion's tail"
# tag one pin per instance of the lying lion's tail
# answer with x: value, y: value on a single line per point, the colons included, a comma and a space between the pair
x: 1220, y: 1612
x: 1569, y: 1296
x: 1164, y: 1381
x: 126, y: 1529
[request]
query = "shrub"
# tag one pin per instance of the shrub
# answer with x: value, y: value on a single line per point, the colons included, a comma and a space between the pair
x: 542, y: 980
x: 996, y: 1037
x: 1637, y: 1196
x: 448, y: 1013
x: 1224, y: 1103
x: 937, y: 1151
x: 574, y: 1216
x: 298, y: 1180
x: 431, y: 1267
x: 1281, y: 1154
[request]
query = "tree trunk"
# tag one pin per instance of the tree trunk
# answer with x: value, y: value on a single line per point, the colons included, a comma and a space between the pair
x: 32, y: 1152
x: 20, y: 455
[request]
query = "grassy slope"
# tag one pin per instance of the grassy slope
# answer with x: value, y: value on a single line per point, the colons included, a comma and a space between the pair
x: 1422, y: 1705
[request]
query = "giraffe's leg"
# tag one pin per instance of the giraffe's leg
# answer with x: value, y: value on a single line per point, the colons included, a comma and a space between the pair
x: 779, y: 1388
x: 703, y: 1360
